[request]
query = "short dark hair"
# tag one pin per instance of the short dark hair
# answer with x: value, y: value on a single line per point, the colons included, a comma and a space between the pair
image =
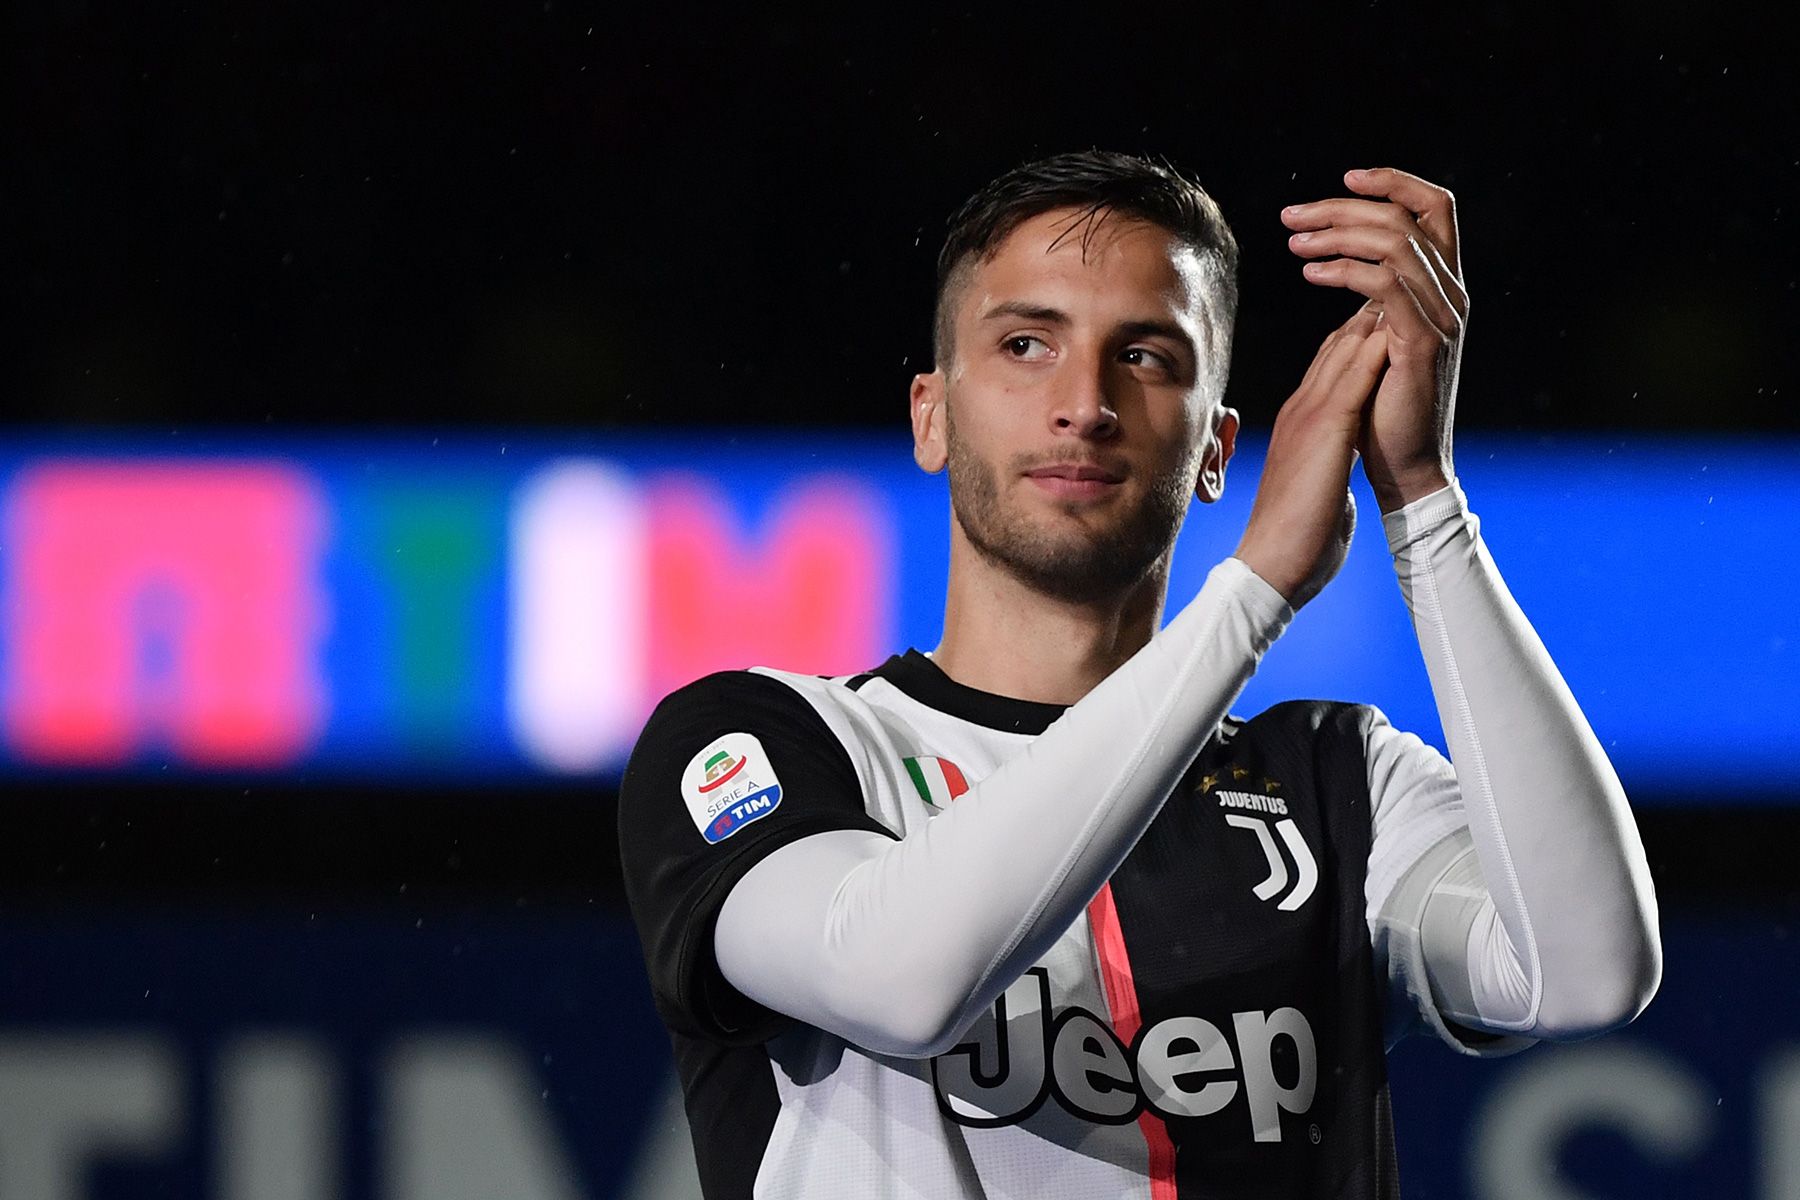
x: 1097, y: 181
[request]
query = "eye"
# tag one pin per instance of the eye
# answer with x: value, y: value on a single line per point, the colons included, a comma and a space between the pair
x: 1025, y: 347
x: 1143, y: 356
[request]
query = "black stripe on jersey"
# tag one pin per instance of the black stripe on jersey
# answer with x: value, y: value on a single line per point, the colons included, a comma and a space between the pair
x: 925, y: 681
x: 1202, y: 944
x: 732, y: 1105
x: 856, y: 684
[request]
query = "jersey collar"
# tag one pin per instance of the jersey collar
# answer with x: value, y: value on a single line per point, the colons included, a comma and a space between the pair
x: 925, y: 681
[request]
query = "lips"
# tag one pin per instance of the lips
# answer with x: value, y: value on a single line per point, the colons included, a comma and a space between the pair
x: 1076, y: 472
x: 1076, y: 481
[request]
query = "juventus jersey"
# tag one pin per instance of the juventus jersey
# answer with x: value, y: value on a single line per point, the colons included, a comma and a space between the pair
x: 1212, y: 1026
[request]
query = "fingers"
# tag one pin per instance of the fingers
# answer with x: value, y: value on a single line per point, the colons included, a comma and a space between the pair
x: 1300, y: 522
x: 1360, y: 322
x: 1338, y: 213
x: 1357, y: 380
x: 1323, y: 214
x: 1446, y: 306
x: 1406, y: 315
x: 1433, y: 206
x: 1339, y: 344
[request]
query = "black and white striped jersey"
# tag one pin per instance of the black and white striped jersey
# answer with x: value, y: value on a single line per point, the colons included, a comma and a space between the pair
x: 1213, y: 1026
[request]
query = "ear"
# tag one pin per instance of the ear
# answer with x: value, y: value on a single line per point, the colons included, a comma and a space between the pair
x: 930, y: 450
x: 1211, y: 484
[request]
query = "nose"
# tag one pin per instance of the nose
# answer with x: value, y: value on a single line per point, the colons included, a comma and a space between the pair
x: 1082, y: 406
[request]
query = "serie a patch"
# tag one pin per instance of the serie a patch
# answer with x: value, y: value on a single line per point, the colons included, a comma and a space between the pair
x: 728, y: 785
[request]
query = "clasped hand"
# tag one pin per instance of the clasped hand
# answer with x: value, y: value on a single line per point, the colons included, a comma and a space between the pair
x: 1403, y: 347
x: 1402, y: 252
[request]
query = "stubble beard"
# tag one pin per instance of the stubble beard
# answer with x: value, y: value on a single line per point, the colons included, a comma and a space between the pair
x: 1082, y: 565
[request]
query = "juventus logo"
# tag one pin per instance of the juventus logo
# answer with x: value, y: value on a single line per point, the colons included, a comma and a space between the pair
x: 1307, y: 870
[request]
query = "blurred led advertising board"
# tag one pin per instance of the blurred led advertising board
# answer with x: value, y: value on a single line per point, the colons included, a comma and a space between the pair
x: 481, y: 608
x: 374, y: 1056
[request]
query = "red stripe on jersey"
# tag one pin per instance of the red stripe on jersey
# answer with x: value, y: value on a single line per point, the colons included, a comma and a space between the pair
x: 1127, y: 1019
x: 953, y: 778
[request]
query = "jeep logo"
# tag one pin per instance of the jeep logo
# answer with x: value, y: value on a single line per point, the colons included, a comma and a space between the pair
x: 1181, y: 1067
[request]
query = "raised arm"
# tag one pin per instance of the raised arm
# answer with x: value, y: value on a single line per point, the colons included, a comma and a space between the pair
x: 1543, y: 922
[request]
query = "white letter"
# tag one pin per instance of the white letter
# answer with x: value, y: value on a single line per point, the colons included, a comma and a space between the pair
x: 575, y: 672
x: 1642, y: 1094
x: 1256, y: 1040
x: 1074, y: 1067
x: 465, y: 1122
x: 65, y: 1101
x: 1781, y: 1127
x: 277, y: 1139
x: 1160, y: 1071
x: 1303, y: 862
x: 1277, y: 869
x: 1014, y: 1079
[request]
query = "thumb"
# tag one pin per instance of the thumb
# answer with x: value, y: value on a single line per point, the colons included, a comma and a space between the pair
x: 1366, y: 366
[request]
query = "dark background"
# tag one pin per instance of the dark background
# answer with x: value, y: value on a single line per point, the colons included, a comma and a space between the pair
x: 287, y: 217
x: 557, y: 214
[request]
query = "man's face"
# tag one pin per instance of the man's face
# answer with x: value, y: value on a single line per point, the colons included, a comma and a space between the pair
x: 1077, y: 413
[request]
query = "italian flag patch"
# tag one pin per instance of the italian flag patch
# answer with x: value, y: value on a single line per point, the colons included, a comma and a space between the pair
x: 938, y: 780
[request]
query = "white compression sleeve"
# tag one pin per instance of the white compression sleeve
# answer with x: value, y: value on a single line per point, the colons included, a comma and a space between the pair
x: 827, y: 928
x: 1562, y: 940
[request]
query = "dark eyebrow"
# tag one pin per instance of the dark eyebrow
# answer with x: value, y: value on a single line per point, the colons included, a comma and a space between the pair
x: 1031, y: 312
x: 1168, y: 329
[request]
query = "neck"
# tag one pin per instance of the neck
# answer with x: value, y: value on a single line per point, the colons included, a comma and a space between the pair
x: 1004, y: 637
